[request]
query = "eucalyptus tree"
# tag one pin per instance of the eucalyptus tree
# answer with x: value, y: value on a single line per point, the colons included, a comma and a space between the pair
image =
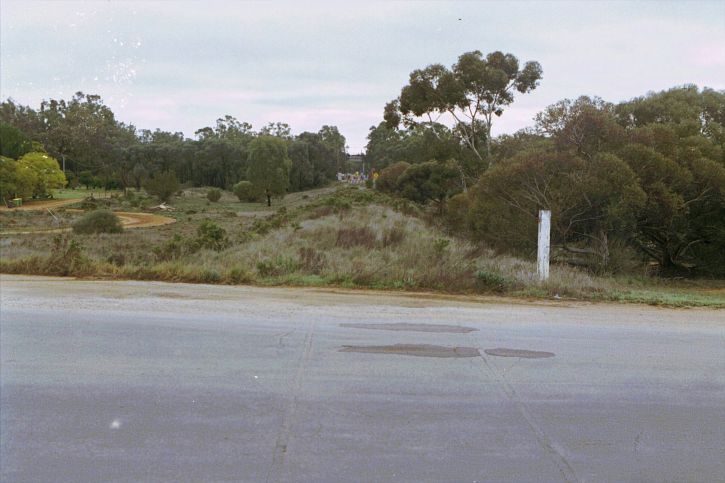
x: 269, y: 166
x: 468, y: 95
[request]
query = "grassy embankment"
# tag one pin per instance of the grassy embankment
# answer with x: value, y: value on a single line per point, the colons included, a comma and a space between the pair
x: 345, y: 237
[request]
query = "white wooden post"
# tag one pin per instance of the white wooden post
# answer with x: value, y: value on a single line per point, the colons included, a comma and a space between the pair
x: 544, y: 242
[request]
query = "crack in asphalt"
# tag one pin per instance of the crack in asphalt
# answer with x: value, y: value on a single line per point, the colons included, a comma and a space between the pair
x: 567, y: 472
x: 280, y: 447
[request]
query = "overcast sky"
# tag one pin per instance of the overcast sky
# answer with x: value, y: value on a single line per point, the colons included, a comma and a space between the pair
x: 179, y: 66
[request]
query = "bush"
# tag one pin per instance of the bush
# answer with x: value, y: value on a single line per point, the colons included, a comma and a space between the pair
x: 176, y: 247
x: 162, y: 185
x: 239, y: 275
x: 212, y: 236
x: 388, y: 180
x: 311, y: 260
x: 99, y: 221
x: 456, y: 213
x: 490, y: 280
x: 66, y: 257
x: 213, y: 195
x: 277, y: 266
x: 244, y: 190
x: 356, y: 237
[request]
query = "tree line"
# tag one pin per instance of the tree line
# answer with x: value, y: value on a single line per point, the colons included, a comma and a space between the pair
x: 95, y: 149
x: 640, y: 182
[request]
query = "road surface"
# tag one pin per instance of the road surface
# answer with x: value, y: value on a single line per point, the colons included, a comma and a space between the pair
x: 140, y: 381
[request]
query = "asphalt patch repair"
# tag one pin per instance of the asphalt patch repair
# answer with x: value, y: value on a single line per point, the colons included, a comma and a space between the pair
x: 524, y: 354
x: 453, y: 329
x: 418, y: 350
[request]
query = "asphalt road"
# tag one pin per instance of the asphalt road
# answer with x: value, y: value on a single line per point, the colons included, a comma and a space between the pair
x: 136, y: 381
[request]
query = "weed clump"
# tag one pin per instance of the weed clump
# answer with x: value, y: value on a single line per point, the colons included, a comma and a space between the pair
x: 361, y: 236
x: 100, y: 221
x: 493, y: 281
x: 212, y: 236
x: 213, y: 195
x: 66, y: 257
x: 311, y: 260
x: 274, y: 267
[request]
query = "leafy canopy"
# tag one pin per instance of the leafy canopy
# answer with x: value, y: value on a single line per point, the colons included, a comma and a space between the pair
x: 475, y: 89
x: 269, y: 165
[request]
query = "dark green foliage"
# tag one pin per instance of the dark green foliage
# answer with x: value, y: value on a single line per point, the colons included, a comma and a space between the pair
x: 13, y: 144
x: 212, y: 236
x: 502, y: 208
x: 244, y: 190
x: 162, y: 185
x: 87, y: 179
x: 492, y: 281
x: 209, y: 236
x: 475, y: 89
x: 213, y: 195
x: 430, y: 181
x: 388, y: 180
x: 647, y: 174
x: 269, y: 166
x: 98, y: 221
x: 316, y: 157
x: 83, y: 134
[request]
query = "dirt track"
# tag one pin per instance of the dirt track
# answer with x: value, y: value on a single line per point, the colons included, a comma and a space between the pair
x: 128, y: 219
x: 42, y: 205
x: 143, y: 220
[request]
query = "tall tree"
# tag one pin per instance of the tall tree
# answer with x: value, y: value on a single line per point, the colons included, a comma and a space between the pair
x: 269, y: 166
x: 471, y: 93
x: 13, y: 143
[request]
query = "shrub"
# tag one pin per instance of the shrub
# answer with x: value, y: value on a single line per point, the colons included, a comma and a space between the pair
x: 277, y: 266
x: 244, y: 190
x: 354, y: 237
x: 100, y: 221
x: 491, y: 280
x: 212, y: 236
x: 209, y: 276
x: 440, y: 247
x: 214, y: 195
x: 239, y: 275
x: 66, y: 257
x: 393, y: 236
x: 456, y: 213
x: 174, y: 248
x: 162, y: 185
x: 311, y: 260
x: 388, y: 180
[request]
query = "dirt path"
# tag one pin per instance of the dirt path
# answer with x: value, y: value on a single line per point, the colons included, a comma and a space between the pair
x: 128, y: 220
x: 39, y: 205
x: 143, y: 220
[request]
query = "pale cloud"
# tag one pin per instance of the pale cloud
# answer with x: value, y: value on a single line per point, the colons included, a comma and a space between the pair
x: 179, y: 66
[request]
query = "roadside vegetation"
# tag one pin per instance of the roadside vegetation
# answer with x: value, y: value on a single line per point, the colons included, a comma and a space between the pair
x: 636, y: 190
x: 338, y: 236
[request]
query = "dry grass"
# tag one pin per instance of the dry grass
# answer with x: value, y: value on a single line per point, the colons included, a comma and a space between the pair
x: 348, y: 239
